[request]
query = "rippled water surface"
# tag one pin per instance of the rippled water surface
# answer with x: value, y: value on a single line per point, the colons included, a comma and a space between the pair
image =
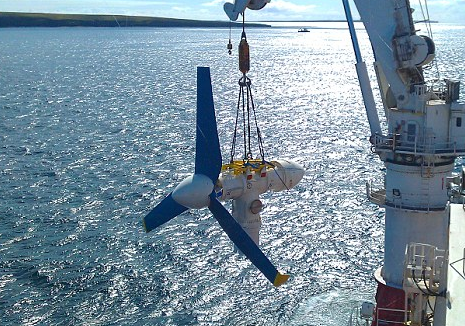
x: 98, y: 125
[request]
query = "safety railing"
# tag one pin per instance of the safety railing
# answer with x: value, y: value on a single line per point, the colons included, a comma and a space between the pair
x: 424, y: 262
x: 362, y: 315
x: 414, y: 145
x: 390, y: 317
x: 378, y: 196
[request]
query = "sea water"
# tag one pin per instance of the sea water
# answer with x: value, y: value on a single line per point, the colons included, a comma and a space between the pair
x: 98, y: 125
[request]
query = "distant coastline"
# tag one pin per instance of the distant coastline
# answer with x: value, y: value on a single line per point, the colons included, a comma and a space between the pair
x: 308, y: 21
x: 20, y: 19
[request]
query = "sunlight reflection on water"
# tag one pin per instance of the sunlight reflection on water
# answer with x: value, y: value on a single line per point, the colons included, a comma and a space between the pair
x: 99, y: 124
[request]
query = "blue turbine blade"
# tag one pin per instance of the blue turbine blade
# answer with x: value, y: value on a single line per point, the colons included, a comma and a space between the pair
x: 162, y: 213
x: 207, y: 154
x: 245, y: 244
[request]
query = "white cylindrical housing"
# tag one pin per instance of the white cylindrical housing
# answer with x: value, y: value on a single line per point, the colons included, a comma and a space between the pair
x: 413, y: 186
x: 242, y: 211
x: 416, y: 211
x: 233, y: 186
x: 285, y: 175
x: 404, y: 227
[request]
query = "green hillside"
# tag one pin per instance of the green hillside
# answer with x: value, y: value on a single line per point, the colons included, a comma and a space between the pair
x: 17, y: 19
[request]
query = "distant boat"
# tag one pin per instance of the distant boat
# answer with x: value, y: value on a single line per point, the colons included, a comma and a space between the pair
x: 304, y: 30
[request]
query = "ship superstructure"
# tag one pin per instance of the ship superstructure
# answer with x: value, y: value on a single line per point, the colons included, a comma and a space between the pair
x: 423, y: 200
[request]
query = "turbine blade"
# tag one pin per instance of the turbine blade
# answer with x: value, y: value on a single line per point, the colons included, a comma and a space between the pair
x: 167, y: 209
x: 207, y: 153
x: 245, y: 244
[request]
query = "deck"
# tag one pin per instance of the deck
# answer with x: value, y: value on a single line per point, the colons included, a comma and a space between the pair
x: 450, y: 310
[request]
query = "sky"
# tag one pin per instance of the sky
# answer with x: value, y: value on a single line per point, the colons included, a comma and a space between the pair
x: 443, y: 10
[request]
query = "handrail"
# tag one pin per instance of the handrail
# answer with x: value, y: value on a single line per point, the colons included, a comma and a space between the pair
x: 359, y: 317
x: 378, y: 196
x: 419, y: 257
x: 417, y: 146
x: 403, y: 311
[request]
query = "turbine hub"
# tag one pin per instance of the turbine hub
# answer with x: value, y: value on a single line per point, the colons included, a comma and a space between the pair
x: 194, y: 191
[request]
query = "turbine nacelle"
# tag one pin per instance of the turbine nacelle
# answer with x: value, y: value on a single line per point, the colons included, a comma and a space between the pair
x: 276, y: 176
x: 238, y: 7
x: 286, y: 175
